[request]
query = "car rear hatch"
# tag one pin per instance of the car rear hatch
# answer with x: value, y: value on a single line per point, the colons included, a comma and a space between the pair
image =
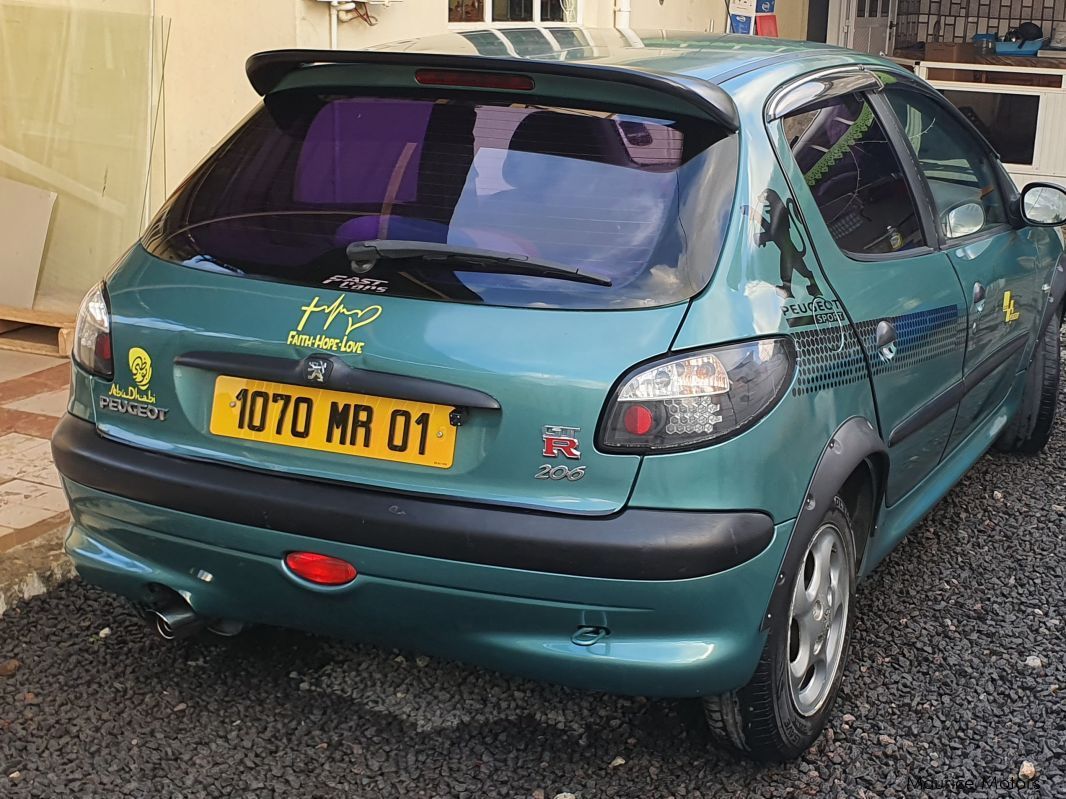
x: 388, y: 279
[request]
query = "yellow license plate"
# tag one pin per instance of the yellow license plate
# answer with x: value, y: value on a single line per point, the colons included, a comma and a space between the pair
x: 333, y: 421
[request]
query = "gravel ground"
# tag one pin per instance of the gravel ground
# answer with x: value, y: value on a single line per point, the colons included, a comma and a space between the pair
x: 957, y: 678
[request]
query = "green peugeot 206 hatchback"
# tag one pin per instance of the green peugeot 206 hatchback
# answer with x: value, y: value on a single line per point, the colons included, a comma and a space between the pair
x: 615, y: 365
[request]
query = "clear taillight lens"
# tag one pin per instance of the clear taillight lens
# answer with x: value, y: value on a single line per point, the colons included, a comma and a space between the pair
x: 92, y: 334
x: 696, y: 399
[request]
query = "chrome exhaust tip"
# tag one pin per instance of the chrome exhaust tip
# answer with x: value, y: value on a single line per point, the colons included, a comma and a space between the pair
x: 178, y: 621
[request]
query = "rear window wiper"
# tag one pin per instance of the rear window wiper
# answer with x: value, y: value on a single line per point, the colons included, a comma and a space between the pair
x: 364, y: 254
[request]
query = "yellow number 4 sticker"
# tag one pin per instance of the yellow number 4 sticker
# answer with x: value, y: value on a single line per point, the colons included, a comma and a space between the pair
x: 1009, y: 314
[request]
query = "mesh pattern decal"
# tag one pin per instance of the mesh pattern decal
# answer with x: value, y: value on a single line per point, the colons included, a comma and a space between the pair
x: 920, y: 337
x: 827, y: 357
x: 831, y: 356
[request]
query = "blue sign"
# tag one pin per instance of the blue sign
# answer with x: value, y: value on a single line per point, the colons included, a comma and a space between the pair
x: 740, y: 24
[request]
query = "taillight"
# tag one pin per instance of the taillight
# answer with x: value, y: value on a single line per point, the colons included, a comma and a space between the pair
x: 474, y: 80
x: 92, y: 334
x: 320, y: 569
x: 696, y: 399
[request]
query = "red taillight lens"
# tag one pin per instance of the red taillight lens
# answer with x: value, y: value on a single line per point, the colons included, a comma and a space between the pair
x: 474, y: 80
x: 92, y: 334
x: 320, y: 569
x: 103, y: 347
x: 638, y: 420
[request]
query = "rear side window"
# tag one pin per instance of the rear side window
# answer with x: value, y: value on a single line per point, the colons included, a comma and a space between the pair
x: 854, y: 176
x: 608, y: 193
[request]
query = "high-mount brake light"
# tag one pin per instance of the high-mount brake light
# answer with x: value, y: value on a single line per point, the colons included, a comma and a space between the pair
x: 697, y: 398
x: 474, y: 80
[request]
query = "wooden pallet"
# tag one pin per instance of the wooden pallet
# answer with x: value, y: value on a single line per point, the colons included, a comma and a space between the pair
x: 41, y: 332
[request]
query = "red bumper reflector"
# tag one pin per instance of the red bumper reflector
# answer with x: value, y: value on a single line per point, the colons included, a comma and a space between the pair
x: 320, y: 569
x: 476, y: 80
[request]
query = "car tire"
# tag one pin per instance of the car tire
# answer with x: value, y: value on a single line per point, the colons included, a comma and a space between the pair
x: 1029, y: 430
x: 774, y: 717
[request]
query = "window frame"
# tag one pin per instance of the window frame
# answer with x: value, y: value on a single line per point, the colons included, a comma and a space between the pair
x: 919, y: 191
x: 1006, y: 188
x: 536, y: 20
x: 865, y: 80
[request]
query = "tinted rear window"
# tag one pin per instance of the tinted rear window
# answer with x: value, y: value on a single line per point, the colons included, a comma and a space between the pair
x: 637, y: 199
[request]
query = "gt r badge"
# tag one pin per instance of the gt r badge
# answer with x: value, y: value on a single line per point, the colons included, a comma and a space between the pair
x: 318, y: 370
x: 561, y: 441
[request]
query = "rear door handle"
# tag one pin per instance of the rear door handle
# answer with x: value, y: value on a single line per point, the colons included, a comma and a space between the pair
x: 886, y: 334
x: 885, y: 337
x: 978, y: 293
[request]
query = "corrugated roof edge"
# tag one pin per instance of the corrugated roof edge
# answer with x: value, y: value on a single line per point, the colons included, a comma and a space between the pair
x: 265, y: 70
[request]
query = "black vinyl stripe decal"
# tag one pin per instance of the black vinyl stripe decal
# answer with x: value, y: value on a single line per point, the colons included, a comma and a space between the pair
x: 953, y: 395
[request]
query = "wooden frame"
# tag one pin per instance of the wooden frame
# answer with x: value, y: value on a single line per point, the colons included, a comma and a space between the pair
x: 40, y: 332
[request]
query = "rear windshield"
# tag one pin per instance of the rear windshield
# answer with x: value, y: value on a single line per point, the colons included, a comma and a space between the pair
x: 638, y: 200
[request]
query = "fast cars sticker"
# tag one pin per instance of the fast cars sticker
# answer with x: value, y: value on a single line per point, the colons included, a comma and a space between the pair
x: 366, y: 285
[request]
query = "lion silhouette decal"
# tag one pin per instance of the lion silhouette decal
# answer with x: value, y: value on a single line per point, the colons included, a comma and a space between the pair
x: 775, y: 225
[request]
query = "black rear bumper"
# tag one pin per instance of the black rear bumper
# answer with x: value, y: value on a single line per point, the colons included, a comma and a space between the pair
x: 633, y: 544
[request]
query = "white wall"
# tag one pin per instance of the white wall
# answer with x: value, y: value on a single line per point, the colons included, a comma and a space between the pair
x: 697, y: 15
x: 792, y: 19
x: 205, y: 92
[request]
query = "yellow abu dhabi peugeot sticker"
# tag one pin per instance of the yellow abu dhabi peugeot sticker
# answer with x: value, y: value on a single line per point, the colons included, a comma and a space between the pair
x: 141, y: 373
x: 137, y: 399
x: 1010, y: 315
x: 140, y: 367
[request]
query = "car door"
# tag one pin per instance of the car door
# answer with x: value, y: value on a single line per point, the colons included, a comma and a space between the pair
x: 998, y: 264
x: 871, y: 231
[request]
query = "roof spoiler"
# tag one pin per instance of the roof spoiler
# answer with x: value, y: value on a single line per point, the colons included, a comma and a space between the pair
x: 266, y: 70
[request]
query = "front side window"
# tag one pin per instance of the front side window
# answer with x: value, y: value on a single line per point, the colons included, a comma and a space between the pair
x: 959, y: 169
x: 855, y: 176
x: 608, y: 193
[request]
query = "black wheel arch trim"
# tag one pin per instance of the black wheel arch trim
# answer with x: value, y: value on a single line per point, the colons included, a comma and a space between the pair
x: 1056, y: 292
x: 856, y: 441
x: 632, y: 544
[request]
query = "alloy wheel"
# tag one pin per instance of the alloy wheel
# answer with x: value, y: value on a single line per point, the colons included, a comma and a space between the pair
x: 818, y: 617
